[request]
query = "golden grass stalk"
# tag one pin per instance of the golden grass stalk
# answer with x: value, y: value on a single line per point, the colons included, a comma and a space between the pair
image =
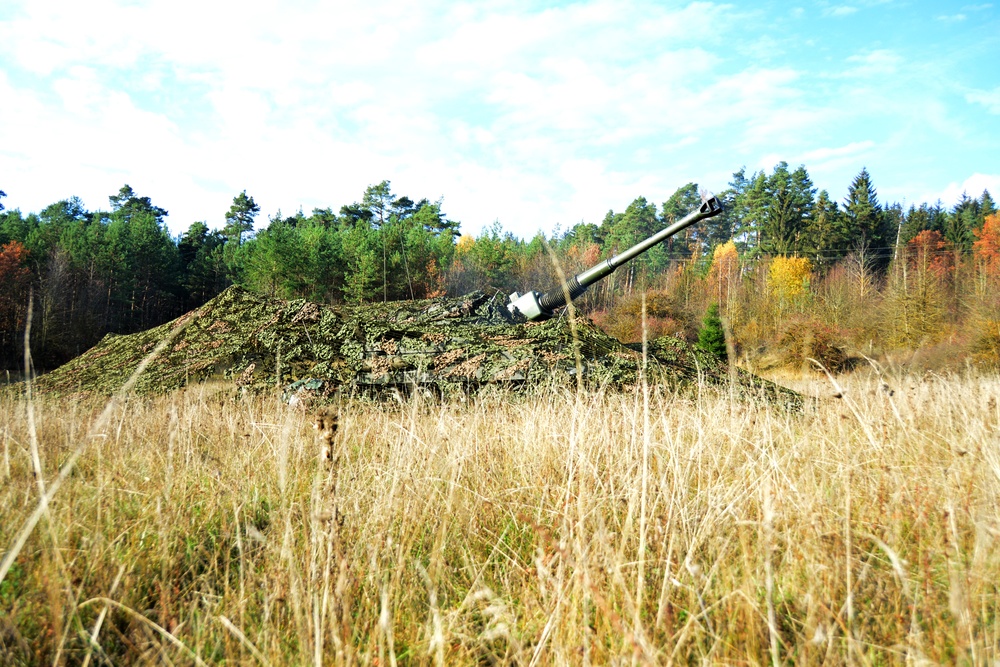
x: 562, y: 527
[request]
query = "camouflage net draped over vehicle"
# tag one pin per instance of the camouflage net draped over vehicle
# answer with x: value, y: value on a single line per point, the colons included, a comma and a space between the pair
x: 261, y: 344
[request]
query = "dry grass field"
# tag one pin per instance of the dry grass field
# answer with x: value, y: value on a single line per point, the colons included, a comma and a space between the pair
x: 560, y: 528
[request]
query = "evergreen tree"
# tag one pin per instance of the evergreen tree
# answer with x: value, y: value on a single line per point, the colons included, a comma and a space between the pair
x: 734, y: 206
x: 787, y: 206
x: 711, y: 336
x: 623, y: 230
x: 203, y: 267
x: 986, y: 206
x: 434, y: 221
x: 894, y: 218
x: 377, y: 201
x: 240, y: 218
x: 925, y: 218
x: 964, y: 217
x: 824, y: 236
x: 866, y: 221
x: 580, y: 235
x: 352, y: 214
x: 324, y: 217
x: 494, y: 255
x: 754, y: 203
x: 695, y: 238
x: 141, y: 263
x: 323, y: 258
x: 13, y: 227
x: 275, y: 261
x: 360, y: 244
x: 128, y: 203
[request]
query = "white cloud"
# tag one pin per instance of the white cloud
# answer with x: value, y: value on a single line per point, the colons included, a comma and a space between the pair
x: 826, y: 164
x: 839, y: 10
x: 533, y: 116
x: 972, y: 186
x: 852, y: 149
x: 952, y: 18
x: 337, y: 97
x: 988, y: 98
x: 877, y: 63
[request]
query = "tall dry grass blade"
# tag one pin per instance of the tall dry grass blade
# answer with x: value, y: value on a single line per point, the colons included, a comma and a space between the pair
x: 570, y: 312
x: 243, y: 640
x: 848, y: 568
x: 385, y: 624
x: 640, y: 578
x: 36, y: 460
x: 772, y: 618
x: 840, y: 393
x: 92, y: 639
x: 546, y: 632
x: 6, y: 454
x: 67, y: 468
x: 163, y: 632
x: 914, y: 651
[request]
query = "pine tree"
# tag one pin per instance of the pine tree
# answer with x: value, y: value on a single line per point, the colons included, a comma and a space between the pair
x: 824, y: 237
x: 961, y: 221
x: 926, y: 218
x: 239, y: 219
x: 711, y: 337
x: 867, y: 223
x: 684, y: 200
x: 986, y: 205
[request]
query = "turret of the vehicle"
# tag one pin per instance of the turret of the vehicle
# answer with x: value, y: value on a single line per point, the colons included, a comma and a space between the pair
x: 537, y: 306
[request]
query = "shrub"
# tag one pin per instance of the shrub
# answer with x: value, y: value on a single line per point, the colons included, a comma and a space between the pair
x: 664, y: 317
x: 986, y: 345
x: 809, y: 338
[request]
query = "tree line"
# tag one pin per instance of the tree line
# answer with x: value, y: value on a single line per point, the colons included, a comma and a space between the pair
x: 120, y: 270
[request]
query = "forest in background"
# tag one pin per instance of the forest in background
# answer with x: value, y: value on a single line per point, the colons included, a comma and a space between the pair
x: 794, y: 272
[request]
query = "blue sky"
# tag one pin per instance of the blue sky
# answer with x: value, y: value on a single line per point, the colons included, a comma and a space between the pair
x: 534, y: 114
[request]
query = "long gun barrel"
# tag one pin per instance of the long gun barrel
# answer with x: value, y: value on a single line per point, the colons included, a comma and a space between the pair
x: 535, y: 306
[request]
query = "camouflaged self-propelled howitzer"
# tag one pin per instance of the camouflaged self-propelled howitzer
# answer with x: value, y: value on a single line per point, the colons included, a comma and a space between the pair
x: 311, y: 351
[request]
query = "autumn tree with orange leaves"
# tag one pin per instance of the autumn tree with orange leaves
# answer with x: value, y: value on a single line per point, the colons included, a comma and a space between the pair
x: 987, y: 246
x: 928, y: 252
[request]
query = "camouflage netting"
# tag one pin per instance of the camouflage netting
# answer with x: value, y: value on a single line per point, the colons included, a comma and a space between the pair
x: 446, y: 344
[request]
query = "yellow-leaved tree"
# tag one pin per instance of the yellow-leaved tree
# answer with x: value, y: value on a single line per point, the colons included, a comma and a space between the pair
x: 788, y: 277
x: 724, y: 272
x: 788, y: 284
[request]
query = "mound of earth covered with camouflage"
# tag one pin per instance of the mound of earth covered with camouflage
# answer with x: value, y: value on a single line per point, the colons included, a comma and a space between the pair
x: 260, y: 344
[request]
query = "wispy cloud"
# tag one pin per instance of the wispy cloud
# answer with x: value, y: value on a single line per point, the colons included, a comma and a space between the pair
x: 878, y: 63
x: 972, y: 186
x: 988, y: 98
x: 852, y: 149
x: 530, y: 114
x: 840, y: 10
x: 514, y: 97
